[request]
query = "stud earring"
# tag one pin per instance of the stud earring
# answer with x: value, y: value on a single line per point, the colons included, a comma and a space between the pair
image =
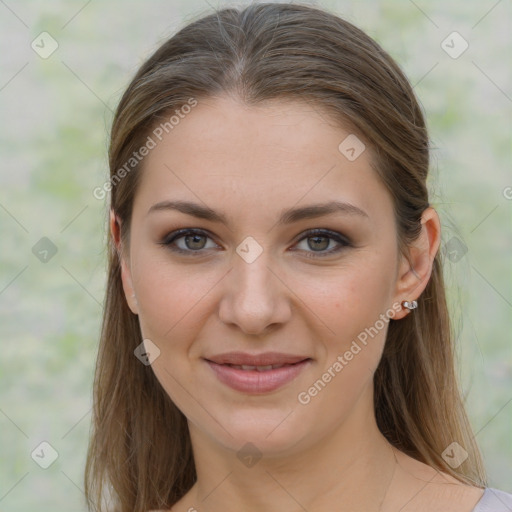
x: 410, y: 305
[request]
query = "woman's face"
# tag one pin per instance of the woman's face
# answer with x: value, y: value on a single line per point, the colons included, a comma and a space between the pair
x: 254, y: 278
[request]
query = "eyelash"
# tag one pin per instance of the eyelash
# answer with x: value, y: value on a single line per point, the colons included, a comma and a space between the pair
x: 323, y: 233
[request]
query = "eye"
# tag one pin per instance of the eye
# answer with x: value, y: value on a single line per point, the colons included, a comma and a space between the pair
x: 194, y: 241
x: 187, y: 241
x: 320, y: 239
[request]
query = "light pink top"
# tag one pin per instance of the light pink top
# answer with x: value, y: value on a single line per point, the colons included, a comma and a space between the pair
x: 494, y: 500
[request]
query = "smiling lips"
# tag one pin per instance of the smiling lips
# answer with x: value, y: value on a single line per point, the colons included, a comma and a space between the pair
x: 258, y: 373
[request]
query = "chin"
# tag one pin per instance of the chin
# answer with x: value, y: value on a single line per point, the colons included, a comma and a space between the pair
x: 268, y: 433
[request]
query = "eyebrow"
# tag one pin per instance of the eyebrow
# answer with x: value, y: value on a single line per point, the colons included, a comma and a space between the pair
x: 288, y: 216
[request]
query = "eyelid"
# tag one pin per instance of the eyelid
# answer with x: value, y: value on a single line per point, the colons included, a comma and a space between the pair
x: 171, y: 238
x: 342, y: 241
x: 339, y: 238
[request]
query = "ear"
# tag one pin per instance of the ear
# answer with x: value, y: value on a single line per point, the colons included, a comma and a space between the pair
x: 414, y: 272
x: 129, y: 292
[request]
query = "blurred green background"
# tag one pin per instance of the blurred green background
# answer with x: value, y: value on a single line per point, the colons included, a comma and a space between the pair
x: 56, y: 110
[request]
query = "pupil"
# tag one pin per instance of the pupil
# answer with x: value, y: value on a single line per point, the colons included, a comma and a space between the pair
x: 316, y: 241
x: 194, y: 241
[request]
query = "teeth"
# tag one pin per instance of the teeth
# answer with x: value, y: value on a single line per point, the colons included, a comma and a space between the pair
x: 258, y: 368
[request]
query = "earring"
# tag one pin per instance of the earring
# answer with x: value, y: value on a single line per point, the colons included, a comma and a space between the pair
x: 410, y: 305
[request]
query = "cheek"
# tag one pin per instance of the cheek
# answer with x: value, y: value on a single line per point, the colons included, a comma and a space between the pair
x: 331, y: 308
x: 169, y: 296
x: 345, y: 299
x: 352, y: 308
x: 349, y: 298
x: 171, y: 302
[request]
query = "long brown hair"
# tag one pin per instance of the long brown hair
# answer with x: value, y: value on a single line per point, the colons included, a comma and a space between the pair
x: 140, y: 453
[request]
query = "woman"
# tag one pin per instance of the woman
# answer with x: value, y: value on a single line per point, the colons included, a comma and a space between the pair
x: 276, y: 334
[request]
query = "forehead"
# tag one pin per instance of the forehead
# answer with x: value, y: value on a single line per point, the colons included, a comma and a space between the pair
x: 276, y: 153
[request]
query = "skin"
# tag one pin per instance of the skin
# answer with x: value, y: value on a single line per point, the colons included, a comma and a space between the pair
x: 250, y: 163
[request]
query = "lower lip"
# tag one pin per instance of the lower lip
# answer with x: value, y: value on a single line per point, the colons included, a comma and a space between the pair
x: 255, y: 382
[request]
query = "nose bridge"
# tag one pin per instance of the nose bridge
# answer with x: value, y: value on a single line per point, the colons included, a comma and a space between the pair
x: 254, y: 296
x: 252, y: 277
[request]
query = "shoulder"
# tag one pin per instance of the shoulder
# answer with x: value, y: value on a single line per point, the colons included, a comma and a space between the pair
x: 422, y: 488
x: 494, y: 500
x: 443, y: 494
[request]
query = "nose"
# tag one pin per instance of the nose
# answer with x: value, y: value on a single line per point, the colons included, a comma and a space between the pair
x: 255, y: 297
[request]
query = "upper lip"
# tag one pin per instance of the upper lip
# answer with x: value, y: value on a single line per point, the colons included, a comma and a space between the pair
x: 263, y: 359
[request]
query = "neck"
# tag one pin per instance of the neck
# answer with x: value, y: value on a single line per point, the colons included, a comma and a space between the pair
x: 329, y: 474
